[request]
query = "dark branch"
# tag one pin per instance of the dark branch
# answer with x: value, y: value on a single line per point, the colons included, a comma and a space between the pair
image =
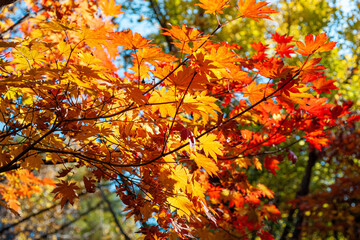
x: 114, y: 214
x: 20, y: 21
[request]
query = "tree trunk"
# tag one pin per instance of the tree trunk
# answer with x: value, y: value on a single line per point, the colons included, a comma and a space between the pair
x: 303, y: 191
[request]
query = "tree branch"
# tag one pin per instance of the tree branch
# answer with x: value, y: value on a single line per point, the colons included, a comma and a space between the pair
x: 20, y: 21
x: 113, y: 214
x: 176, y: 112
x: 3, y: 3
x: 8, y: 166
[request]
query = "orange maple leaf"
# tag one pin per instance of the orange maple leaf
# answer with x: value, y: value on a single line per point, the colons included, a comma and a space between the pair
x: 317, y: 139
x: 109, y: 8
x: 184, y: 34
x: 324, y: 85
x: 251, y: 9
x: 256, y: 93
x: 129, y: 41
x: 66, y: 191
x: 265, y: 192
x: 313, y: 45
x: 213, y: 6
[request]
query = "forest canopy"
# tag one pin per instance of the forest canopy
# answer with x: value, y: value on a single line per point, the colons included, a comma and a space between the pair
x: 225, y: 119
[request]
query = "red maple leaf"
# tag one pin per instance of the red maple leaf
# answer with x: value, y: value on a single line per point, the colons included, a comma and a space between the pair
x: 281, y: 39
x: 271, y: 164
x: 284, y: 50
x: 324, y: 85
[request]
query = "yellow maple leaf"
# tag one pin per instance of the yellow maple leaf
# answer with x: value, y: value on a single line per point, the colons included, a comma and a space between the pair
x: 243, y: 162
x: 257, y: 163
x: 181, y: 204
x: 180, y: 174
x: 266, y: 192
x: 210, y: 145
x: 163, y: 95
x: 206, y: 163
x: 297, y: 97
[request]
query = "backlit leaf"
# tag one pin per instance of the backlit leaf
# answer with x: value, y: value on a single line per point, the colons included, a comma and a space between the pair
x: 254, y: 10
x: 213, y: 6
x: 210, y: 145
x: 203, y: 162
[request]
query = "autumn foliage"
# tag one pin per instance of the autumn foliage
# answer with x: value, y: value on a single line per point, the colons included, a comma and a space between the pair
x: 175, y: 131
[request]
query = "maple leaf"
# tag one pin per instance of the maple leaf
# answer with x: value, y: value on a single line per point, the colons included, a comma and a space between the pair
x: 89, y: 184
x: 256, y: 93
x: 257, y: 164
x: 180, y: 174
x: 313, y: 45
x: 181, y: 204
x: 265, y: 191
x: 66, y: 192
x: 206, y: 163
x: 251, y: 9
x: 281, y: 39
x: 243, y: 162
x: 316, y: 106
x: 312, y: 68
x: 129, y: 40
x: 236, y: 200
x: 109, y: 8
x: 213, y: 6
x: 222, y: 57
x: 214, y: 192
x: 324, y: 85
x: 184, y: 34
x: 137, y: 95
x: 64, y: 172
x: 292, y: 156
x: 272, y: 212
x: 259, y: 47
x: 33, y: 162
x: 271, y: 164
x: 317, y: 139
x: 295, y: 95
x: 163, y: 96
x: 210, y: 145
x: 284, y: 50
